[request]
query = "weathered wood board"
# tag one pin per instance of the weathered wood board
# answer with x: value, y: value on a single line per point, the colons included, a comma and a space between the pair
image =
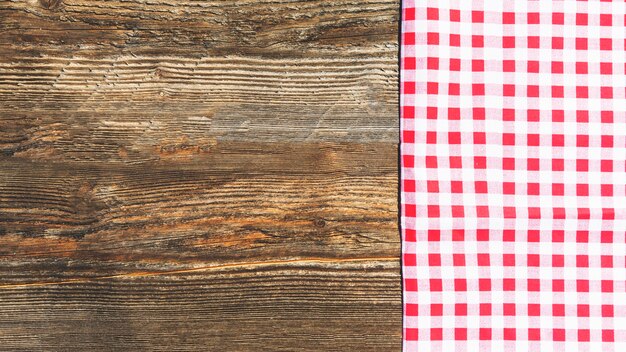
x: 199, y: 175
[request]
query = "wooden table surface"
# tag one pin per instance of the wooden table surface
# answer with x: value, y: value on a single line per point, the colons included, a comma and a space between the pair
x: 182, y: 175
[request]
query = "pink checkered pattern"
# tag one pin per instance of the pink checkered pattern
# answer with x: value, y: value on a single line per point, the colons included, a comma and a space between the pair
x: 513, y: 118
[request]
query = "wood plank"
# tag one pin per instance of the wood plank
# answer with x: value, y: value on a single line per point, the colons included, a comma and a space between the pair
x: 93, y: 107
x: 140, y: 80
x: 238, y: 202
x: 199, y: 175
x: 295, y: 307
x: 194, y: 27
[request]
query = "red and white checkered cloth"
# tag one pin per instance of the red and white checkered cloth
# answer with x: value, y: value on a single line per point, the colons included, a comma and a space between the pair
x: 513, y: 118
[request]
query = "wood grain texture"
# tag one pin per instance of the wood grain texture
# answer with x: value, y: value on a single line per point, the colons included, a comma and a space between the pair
x: 294, y: 307
x: 199, y: 175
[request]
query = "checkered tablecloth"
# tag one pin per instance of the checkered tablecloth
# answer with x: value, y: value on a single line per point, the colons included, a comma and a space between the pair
x: 513, y: 119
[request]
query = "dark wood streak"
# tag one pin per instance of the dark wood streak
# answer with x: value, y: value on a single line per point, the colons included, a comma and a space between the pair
x: 199, y: 175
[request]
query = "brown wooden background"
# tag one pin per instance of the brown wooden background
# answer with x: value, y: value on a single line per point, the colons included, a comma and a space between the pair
x: 199, y: 175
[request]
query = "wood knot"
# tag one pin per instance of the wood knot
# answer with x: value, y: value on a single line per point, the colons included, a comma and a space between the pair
x: 50, y: 4
x: 319, y: 223
x: 85, y: 202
